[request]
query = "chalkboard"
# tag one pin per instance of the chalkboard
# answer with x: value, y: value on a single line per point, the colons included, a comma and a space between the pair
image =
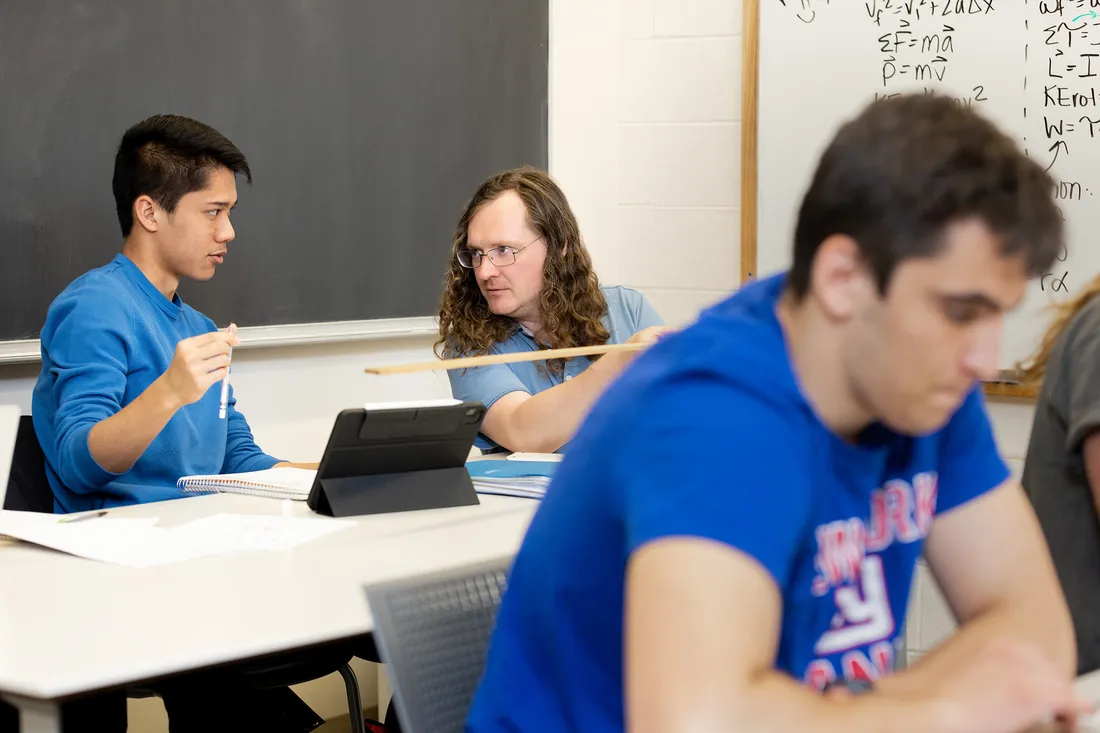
x: 367, y: 124
x: 1032, y: 66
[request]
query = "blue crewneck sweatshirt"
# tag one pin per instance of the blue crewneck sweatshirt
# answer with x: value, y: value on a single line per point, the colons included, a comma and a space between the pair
x: 107, y: 337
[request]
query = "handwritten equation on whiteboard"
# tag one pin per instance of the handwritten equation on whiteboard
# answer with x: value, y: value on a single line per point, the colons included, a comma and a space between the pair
x: 915, y: 42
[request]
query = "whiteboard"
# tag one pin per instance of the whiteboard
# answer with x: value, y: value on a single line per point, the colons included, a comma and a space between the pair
x: 1031, y: 66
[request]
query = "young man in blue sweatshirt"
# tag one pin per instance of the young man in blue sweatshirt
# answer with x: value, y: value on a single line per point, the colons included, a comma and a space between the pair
x: 736, y: 526
x: 126, y: 402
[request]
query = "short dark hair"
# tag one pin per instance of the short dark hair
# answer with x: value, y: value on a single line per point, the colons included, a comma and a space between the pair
x: 896, y: 176
x: 167, y: 157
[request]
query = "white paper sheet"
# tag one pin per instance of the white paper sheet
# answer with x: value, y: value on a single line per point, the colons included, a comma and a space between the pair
x: 140, y: 543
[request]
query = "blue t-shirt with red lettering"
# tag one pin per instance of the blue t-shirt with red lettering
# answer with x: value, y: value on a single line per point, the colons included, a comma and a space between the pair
x: 709, y: 435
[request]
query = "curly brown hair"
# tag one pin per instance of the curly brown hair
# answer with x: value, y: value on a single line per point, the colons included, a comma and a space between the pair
x: 571, y: 303
x: 1034, y: 368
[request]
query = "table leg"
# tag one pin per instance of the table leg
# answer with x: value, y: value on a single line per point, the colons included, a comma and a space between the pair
x: 37, y: 716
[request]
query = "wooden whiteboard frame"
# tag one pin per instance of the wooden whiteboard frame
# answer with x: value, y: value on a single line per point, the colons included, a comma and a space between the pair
x: 1007, y: 386
x: 750, y: 80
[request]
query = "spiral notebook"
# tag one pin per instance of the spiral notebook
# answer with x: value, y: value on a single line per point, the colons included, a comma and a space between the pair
x: 283, y: 482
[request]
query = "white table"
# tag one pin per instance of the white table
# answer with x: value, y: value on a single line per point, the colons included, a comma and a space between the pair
x: 175, y: 618
x: 70, y: 626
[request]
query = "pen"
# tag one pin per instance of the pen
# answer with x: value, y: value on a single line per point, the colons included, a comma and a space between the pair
x: 82, y: 517
x: 224, y: 408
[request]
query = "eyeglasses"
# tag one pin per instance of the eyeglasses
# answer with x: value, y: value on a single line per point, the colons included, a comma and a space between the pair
x: 500, y: 256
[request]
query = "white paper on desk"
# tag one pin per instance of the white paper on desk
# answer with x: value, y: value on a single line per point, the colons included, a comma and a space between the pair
x: 139, y: 543
x: 536, y: 457
x: 136, y: 542
x: 249, y: 532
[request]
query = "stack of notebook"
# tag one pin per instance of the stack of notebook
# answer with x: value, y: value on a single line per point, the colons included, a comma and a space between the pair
x: 524, y: 478
x: 527, y: 479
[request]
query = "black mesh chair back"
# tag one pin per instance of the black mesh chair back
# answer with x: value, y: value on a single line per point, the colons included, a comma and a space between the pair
x: 433, y: 633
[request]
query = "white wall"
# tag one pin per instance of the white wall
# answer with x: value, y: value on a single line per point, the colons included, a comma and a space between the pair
x: 645, y: 139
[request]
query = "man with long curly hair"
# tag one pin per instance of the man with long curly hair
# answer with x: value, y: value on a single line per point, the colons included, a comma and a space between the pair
x: 735, y: 527
x: 520, y: 279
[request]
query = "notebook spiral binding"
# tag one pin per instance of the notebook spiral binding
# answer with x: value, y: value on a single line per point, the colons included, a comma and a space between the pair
x: 237, y: 486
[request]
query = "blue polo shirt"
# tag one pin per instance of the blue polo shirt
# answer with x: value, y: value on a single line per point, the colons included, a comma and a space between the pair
x: 628, y: 312
x: 709, y: 435
x: 107, y: 337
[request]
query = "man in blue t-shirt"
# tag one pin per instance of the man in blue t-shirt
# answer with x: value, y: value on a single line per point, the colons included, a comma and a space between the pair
x: 126, y: 402
x: 520, y: 279
x: 736, y: 525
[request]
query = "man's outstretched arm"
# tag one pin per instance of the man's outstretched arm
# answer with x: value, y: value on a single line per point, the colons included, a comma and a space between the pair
x: 993, y: 566
x: 701, y: 632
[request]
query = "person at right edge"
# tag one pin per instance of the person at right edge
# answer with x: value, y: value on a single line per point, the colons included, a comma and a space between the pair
x: 1062, y: 467
x: 729, y: 543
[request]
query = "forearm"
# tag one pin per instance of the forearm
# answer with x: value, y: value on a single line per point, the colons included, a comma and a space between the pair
x: 780, y: 704
x: 549, y: 419
x: 775, y: 703
x: 119, y: 441
x: 1042, y: 620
